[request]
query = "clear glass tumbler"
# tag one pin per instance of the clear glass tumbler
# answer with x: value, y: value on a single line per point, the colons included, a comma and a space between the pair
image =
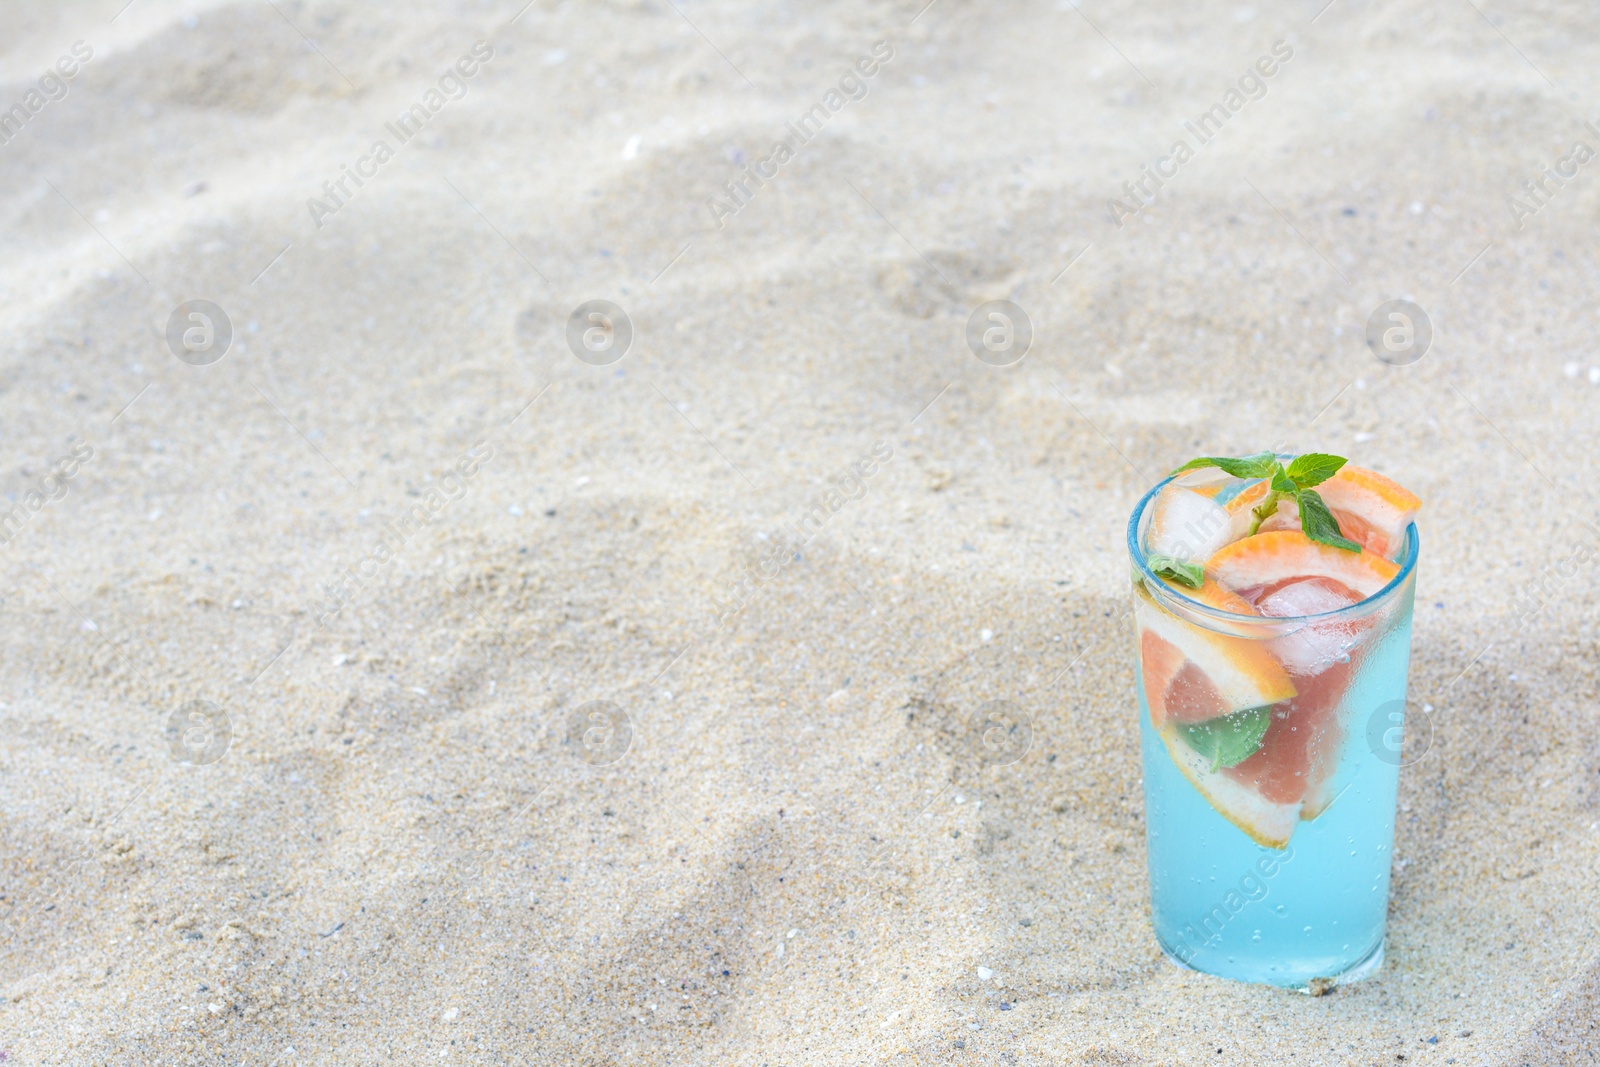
x: 1274, y: 869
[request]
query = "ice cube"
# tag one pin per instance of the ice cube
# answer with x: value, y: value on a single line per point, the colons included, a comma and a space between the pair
x: 1317, y: 645
x: 1187, y: 526
x: 1307, y: 596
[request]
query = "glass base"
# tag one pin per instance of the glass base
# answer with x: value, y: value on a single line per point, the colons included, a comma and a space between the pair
x: 1316, y: 987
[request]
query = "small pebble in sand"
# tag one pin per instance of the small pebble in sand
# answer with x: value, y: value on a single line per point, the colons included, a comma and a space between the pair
x: 984, y: 974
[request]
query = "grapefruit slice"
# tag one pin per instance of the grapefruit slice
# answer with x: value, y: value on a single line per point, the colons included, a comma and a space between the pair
x: 1213, y: 595
x: 1265, y: 821
x: 1371, y: 509
x: 1300, y: 752
x: 1193, y: 675
x: 1303, y: 745
x: 1325, y: 745
x: 1276, y: 556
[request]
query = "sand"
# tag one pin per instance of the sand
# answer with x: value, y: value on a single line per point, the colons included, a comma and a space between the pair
x: 401, y: 854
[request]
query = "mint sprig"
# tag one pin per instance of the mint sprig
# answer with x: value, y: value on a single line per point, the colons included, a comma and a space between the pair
x: 1295, y: 480
x: 1190, y: 574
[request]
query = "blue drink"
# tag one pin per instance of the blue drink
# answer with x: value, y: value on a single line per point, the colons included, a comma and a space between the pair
x: 1271, y: 864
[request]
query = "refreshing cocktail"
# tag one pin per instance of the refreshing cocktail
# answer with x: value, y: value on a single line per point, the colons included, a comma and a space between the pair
x: 1272, y: 599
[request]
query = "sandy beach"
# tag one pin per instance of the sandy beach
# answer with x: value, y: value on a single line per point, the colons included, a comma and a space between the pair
x: 396, y: 670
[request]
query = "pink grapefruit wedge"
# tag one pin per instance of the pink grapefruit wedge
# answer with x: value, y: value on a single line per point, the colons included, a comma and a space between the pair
x: 1193, y: 676
x: 1371, y: 510
x: 1275, y: 556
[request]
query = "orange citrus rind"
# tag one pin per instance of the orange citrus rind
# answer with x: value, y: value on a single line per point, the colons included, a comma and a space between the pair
x: 1279, y: 555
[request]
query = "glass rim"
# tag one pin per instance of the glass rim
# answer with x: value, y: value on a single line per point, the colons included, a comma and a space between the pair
x: 1161, y: 589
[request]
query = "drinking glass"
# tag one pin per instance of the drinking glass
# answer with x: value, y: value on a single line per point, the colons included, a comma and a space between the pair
x: 1276, y: 869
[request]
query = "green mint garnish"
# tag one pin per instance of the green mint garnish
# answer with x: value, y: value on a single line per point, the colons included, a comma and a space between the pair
x: 1313, y: 468
x: 1259, y: 465
x: 1296, y: 480
x: 1190, y: 574
x: 1318, y: 523
x: 1229, y: 740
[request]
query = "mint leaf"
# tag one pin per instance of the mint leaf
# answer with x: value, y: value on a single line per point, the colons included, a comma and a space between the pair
x: 1313, y: 468
x: 1190, y: 574
x: 1282, y: 482
x: 1259, y: 465
x: 1229, y: 740
x: 1318, y: 523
